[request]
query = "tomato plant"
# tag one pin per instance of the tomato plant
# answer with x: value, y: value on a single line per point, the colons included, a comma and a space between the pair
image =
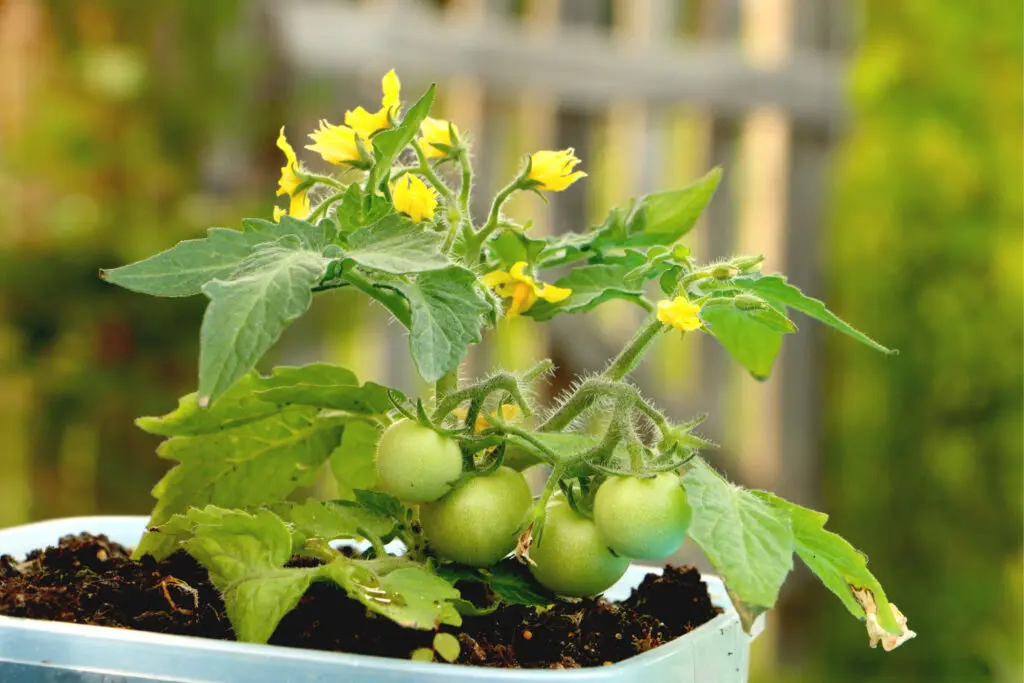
x: 415, y: 463
x: 478, y: 522
x: 391, y: 225
x: 643, y: 517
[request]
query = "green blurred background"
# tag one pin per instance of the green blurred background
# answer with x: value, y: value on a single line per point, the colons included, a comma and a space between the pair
x: 127, y: 126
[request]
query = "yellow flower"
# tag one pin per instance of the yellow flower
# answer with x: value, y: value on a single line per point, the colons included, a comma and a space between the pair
x: 522, y: 288
x: 366, y: 123
x: 679, y: 313
x: 412, y: 197
x: 392, y: 88
x: 336, y: 144
x: 298, y: 208
x: 436, y: 131
x: 553, y: 170
x: 290, y: 178
x: 290, y: 181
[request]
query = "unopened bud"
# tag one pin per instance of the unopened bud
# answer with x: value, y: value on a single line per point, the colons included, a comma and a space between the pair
x: 748, y: 302
x: 724, y: 272
x: 748, y: 263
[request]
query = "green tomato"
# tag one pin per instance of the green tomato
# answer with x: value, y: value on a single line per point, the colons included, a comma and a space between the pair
x: 643, y: 517
x: 571, y: 558
x: 478, y: 523
x: 415, y: 463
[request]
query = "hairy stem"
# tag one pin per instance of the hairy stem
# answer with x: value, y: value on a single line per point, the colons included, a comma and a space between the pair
x: 427, y: 172
x: 321, y: 209
x: 448, y: 383
x: 475, y: 241
x: 324, y: 180
x: 634, y: 351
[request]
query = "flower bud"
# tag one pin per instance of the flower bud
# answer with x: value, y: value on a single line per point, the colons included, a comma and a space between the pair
x: 746, y: 264
x: 724, y: 272
x: 748, y: 302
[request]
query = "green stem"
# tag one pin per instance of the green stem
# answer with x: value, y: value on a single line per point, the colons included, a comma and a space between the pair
x: 427, y: 172
x: 476, y: 241
x: 633, y: 353
x: 503, y: 381
x: 449, y: 238
x: 467, y: 184
x: 448, y: 383
x: 325, y: 180
x: 392, y: 300
x: 324, y: 205
x: 542, y: 452
x: 623, y: 364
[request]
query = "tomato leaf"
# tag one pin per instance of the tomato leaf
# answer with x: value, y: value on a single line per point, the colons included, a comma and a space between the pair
x: 749, y: 542
x: 447, y: 315
x: 258, y: 463
x: 509, y: 581
x: 388, y: 144
x: 245, y: 556
x: 840, y: 566
x: 309, y: 236
x: 385, y: 505
x: 394, y: 244
x: 183, y: 269
x: 238, y: 406
x: 352, y: 462
x: 776, y: 290
x: 325, y: 386
x: 357, y: 210
x: 331, y: 520
x: 745, y: 334
x: 248, y: 312
x: 254, y: 397
x: 591, y: 286
x: 658, y: 218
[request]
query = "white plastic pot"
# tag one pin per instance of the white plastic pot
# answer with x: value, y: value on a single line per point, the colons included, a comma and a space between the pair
x: 33, y: 651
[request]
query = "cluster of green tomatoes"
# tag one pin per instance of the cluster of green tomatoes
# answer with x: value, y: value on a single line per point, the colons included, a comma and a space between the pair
x: 478, y: 521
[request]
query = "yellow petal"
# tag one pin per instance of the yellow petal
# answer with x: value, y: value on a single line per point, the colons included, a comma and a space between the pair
x: 523, y: 297
x: 517, y: 274
x: 412, y: 197
x: 554, y: 294
x: 392, y: 88
x: 285, y: 146
x: 336, y: 144
x: 290, y: 179
x: 278, y: 212
x: 496, y: 278
x: 366, y: 123
x: 299, y: 206
x: 553, y: 169
x: 679, y: 313
x: 436, y: 131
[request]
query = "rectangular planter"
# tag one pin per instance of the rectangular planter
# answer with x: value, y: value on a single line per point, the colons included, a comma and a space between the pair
x: 33, y: 651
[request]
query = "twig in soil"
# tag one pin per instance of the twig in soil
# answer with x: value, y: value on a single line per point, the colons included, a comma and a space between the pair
x: 178, y: 583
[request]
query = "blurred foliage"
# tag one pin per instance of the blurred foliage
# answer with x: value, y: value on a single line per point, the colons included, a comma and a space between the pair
x: 924, y: 461
x: 110, y: 160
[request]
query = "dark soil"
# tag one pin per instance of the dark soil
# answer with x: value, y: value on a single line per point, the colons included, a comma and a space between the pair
x: 90, y: 580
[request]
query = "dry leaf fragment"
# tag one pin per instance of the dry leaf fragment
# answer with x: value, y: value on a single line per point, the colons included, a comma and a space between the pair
x: 875, y: 631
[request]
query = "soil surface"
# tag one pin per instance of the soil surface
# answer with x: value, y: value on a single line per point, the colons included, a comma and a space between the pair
x: 90, y: 580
